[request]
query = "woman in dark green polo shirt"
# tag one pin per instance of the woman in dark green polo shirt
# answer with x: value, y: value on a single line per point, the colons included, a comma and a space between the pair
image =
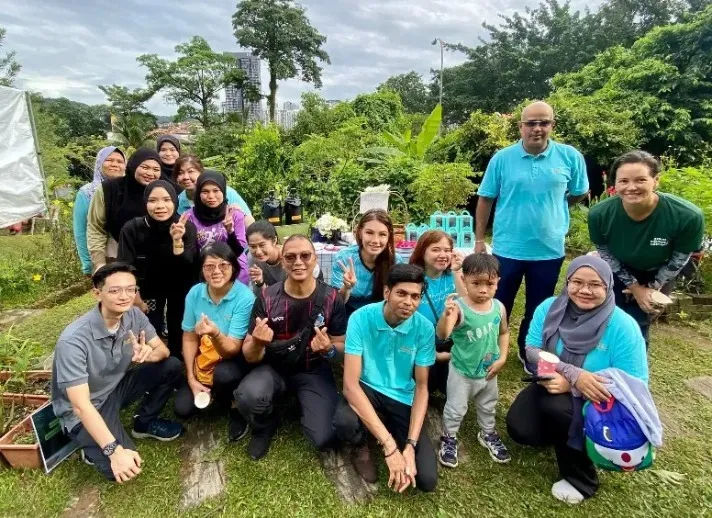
x: 645, y: 236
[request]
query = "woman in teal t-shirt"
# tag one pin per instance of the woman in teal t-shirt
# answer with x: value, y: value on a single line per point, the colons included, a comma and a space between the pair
x: 585, y: 329
x: 435, y: 253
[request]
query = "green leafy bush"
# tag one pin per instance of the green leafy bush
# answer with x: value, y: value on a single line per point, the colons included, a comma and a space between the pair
x: 441, y: 187
x: 578, y: 238
x: 693, y: 184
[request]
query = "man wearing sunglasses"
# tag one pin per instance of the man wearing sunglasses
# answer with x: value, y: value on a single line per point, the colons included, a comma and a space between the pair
x: 534, y: 182
x: 297, y: 328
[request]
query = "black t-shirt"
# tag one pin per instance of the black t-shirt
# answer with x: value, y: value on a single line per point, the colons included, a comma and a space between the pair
x: 287, y: 316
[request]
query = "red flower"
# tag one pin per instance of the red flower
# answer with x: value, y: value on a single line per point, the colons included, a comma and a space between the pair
x: 611, y: 191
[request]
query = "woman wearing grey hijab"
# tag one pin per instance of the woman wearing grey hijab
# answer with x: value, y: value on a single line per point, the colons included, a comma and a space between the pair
x: 588, y: 333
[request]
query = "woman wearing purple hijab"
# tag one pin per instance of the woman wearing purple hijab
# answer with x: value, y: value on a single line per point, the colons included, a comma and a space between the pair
x: 588, y: 333
x: 110, y: 163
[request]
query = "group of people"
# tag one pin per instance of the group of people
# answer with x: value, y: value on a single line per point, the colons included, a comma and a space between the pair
x: 251, y: 325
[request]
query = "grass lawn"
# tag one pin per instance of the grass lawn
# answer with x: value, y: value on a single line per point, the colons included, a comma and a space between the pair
x: 290, y: 481
x: 14, y: 247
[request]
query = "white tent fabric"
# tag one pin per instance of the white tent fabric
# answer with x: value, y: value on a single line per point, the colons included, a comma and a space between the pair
x: 22, y: 192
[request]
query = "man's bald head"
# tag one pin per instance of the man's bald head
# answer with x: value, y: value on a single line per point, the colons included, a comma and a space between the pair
x: 538, y: 110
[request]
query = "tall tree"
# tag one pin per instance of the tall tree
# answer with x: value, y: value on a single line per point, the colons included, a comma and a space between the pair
x: 279, y: 32
x: 82, y: 120
x: 195, y: 79
x: 9, y: 67
x: 412, y: 89
x: 130, y: 119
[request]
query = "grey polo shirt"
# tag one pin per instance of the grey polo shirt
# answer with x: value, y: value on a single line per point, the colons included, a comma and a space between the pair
x: 87, y: 352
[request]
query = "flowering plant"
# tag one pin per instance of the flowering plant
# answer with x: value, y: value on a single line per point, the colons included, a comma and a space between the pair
x: 327, y: 225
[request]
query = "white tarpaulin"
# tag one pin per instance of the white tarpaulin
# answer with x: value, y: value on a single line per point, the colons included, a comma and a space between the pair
x: 22, y: 192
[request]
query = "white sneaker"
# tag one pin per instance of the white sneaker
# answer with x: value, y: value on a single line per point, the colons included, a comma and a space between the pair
x: 564, y: 491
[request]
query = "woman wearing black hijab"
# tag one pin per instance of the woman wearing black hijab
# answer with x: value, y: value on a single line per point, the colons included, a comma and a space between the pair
x: 118, y: 201
x: 215, y: 221
x: 168, y: 149
x: 163, y: 248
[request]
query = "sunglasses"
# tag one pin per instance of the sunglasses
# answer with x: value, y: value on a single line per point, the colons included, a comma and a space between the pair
x: 291, y: 258
x: 534, y: 124
x: 210, y: 268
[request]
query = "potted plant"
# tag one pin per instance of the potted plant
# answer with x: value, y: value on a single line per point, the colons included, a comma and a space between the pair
x: 328, y: 228
x: 16, y: 358
x: 17, y: 441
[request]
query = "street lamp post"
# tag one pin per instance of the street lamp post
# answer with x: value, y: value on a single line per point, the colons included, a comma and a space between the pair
x: 435, y: 42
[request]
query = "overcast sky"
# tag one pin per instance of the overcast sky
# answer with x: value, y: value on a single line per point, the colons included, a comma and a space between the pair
x: 68, y: 47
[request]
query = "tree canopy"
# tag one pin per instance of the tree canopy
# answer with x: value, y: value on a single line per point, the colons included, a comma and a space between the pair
x: 279, y: 32
x: 412, y: 90
x: 9, y: 67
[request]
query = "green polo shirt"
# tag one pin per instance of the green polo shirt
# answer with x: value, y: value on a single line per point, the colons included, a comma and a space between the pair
x: 676, y: 225
x: 389, y: 354
x: 231, y: 314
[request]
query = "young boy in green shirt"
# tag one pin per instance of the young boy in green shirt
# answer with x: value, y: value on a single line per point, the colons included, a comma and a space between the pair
x: 478, y: 327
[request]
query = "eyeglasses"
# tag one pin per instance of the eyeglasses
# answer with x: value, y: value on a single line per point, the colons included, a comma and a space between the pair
x: 210, y: 268
x: 592, y: 286
x: 115, y: 291
x: 291, y: 258
x: 534, y: 124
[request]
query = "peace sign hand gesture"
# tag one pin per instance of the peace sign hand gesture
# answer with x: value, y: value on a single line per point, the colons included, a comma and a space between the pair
x: 141, y: 350
x: 228, y: 222
x: 177, y: 230
x: 262, y: 333
x: 321, y: 343
x: 349, y: 274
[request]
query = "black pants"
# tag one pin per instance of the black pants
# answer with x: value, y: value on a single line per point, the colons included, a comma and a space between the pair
x: 173, y: 305
x: 537, y: 418
x: 396, y: 418
x: 540, y: 279
x: 152, y: 381
x: 226, y: 378
x: 437, y: 377
x: 628, y: 304
x: 316, y: 393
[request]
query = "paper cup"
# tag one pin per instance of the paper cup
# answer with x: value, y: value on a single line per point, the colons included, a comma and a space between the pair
x: 547, y: 364
x: 202, y: 400
x: 660, y: 299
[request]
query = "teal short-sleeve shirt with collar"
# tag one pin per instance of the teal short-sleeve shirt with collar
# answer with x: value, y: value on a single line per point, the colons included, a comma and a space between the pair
x: 532, y: 214
x: 231, y: 314
x: 622, y: 345
x: 88, y: 353
x: 389, y: 354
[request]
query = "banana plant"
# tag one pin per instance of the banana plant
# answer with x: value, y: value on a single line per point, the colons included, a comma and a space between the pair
x: 406, y: 145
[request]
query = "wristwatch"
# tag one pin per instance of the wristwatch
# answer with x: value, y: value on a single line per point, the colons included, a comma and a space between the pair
x: 110, y: 448
x: 412, y: 442
x: 331, y: 353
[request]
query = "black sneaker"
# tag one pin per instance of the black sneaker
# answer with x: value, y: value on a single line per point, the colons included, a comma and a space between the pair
x: 159, y: 429
x: 495, y: 446
x: 448, y: 451
x: 237, y: 427
x: 260, y: 442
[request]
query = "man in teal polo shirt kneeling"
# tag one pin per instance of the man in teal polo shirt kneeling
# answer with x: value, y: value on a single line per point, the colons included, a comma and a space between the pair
x: 389, y: 349
x: 534, y: 181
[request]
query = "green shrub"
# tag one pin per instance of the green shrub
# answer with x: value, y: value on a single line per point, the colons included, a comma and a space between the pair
x: 578, y: 238
x: 693, y: 184
x: 441, y: 187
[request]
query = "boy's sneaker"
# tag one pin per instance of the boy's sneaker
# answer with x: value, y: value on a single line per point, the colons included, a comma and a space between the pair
x: 448, y: 451
x: 260, y: 441
x: 159, y: 429
x: 495, y: 446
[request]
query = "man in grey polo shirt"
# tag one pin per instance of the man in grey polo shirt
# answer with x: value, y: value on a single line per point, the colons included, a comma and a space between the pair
x: 105, y: 360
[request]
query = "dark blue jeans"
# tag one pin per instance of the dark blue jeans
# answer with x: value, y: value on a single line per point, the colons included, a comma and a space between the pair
x: 540, y: 279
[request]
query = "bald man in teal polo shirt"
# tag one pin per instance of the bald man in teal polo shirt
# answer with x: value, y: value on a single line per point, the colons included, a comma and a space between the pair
x: 534, y: 182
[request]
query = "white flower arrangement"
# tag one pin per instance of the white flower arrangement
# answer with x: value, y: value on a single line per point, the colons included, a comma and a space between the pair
x: 328, y: 224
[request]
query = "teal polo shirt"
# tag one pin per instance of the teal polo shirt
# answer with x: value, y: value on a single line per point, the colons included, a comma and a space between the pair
x: 621, y: 347
x: 231, y: 314
x: 389, y: 354
x: 532, y: 214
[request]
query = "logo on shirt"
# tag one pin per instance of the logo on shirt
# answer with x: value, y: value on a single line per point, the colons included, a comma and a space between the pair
x: 277, y: 319
x: 602, y: 346
x: 479, y: 332
x: 659, y: 241
x: 406, y: 350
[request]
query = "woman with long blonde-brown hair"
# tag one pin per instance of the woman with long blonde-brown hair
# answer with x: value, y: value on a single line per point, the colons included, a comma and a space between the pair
x: 360, y: 271
x: 435, y: 253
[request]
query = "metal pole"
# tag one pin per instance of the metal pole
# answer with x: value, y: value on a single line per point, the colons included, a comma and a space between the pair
x: 441, y: 71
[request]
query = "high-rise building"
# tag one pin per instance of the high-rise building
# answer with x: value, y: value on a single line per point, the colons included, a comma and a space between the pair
x: 234, y: 99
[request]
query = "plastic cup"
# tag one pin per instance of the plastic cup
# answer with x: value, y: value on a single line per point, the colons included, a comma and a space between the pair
x: 202, y: 400
x: 546, y: 366
x: 660, y: 299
